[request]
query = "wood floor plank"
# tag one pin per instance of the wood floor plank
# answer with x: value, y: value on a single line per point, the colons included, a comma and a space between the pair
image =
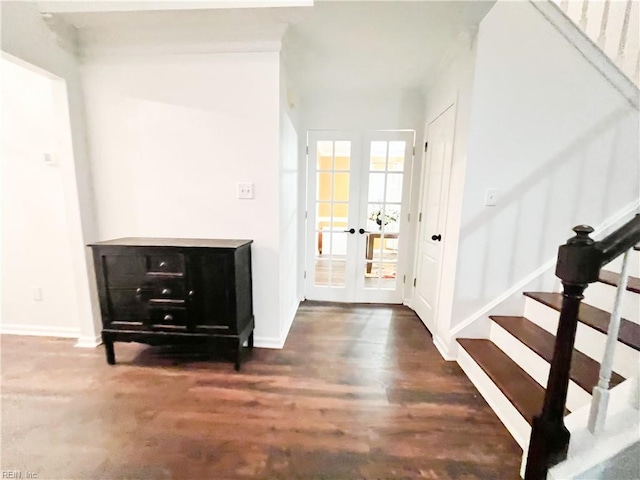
x: 594, y: 317
x: 357, y: 392
x: 584, y: 370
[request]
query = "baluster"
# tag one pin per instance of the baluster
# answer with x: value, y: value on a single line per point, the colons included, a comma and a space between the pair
x: 600, y: 400
x: 624, y: 32
x: 583, y: 17
x: 578, y: 265
x: 602, y: 39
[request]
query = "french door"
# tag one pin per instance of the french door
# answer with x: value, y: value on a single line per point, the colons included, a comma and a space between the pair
x: 357, y: 199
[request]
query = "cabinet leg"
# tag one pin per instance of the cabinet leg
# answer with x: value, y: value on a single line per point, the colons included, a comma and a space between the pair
x: 111, y: 354
x: 251, y: 341
x: 238, y: 357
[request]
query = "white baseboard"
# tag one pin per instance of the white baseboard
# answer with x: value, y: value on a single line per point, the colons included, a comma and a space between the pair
x: 278, y: 343
x: 39, y: 331
x: 444, y: 350
x: 89, y: 342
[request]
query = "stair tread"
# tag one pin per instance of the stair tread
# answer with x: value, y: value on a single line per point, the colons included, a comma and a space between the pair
x: 526, y: 395
x: 594, y: 317
x: 612, y: 278
x: 584, y: 369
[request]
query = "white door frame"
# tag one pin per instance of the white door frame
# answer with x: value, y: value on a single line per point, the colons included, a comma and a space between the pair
x: 444, y: 211
x: 354, y: 291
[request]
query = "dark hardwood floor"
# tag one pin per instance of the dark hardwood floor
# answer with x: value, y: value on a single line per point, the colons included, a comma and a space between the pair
x: 358, y: 392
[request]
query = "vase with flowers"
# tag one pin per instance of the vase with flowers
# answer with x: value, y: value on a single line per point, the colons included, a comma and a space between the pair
x: 383, y: 217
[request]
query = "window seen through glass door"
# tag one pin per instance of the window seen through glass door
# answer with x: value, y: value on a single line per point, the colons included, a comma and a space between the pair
x: 384, y: 209
x: 332, y: 211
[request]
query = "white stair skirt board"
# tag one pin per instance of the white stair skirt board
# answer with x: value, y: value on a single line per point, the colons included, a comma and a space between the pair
x: 603, y: 296
x: 589, y: 341
x: 448, y: 354
x: 517, y: 426
x: 535, y: 365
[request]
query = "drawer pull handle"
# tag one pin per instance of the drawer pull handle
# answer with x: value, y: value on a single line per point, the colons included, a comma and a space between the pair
x: 166, y: 291
x: 168, y: 318
x: 162, y: 264
x: 192, y: 293
x: 138, y: 291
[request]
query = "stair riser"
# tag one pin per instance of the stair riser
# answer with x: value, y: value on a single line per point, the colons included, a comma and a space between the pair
x: 515, y: 423
x: 603, y: 296
x: 534, y: 365
x: 588, y: 340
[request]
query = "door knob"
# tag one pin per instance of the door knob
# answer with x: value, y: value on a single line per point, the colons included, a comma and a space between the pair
x: 436, y: 238
x: 362, y: 230
x: 351, y: 231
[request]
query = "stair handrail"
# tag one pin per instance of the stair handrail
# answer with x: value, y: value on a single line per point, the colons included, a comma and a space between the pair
x: 579, y: 263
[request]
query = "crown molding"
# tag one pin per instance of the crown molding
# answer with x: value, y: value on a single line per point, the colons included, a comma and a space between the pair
x: 98, y: 6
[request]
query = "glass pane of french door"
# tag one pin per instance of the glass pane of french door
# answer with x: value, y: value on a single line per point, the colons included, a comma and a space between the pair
x: 333, y: 162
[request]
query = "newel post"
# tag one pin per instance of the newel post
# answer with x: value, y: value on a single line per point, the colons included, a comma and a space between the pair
x: 578, y: 266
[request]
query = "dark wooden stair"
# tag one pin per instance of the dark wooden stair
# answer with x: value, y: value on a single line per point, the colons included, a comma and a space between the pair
x: 594, y: 317
x: 523, y: 392
x: 613, y: 279
x: 584, y: 370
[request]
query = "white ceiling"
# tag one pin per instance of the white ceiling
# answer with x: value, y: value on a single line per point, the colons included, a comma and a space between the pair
x: 376, y: 45
x: 334, y: 45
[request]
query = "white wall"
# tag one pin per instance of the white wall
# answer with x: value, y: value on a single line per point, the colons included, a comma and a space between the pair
x: 452, y: 85
x: 362, y: 110
x: 289, y: 209
x: 36, y: 247
x: 553, y: 136
x: 172, y: 135
x: 27, y: 37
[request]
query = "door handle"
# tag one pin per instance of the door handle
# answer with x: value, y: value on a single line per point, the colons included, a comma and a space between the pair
x: 362, y: 230
x: 351, y: 231
x: 436, y: 238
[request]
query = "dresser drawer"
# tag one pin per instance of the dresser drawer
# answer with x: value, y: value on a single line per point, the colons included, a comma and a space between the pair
x: 165, y: 289
x: 165, y: 264
x: 168, y: 317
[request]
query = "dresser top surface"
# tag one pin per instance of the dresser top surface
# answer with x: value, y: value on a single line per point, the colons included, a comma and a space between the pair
x: 173, y: 242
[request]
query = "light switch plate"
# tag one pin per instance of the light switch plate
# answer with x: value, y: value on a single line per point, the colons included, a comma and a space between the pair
x: 491, y: 197
x: 49, y: 159
x: 245, y: 190
x: 36, y: 293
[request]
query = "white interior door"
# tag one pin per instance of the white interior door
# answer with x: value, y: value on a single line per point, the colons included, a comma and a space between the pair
x: 433, y: 208
x: 332, y: 212
x: 357, y: 188
x: 384, y: 200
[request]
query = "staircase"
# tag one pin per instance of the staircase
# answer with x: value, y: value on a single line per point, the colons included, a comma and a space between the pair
x: 511, y: 367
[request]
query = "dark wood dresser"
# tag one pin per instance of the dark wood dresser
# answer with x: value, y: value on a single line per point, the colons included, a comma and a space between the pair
x: 173, y: 290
